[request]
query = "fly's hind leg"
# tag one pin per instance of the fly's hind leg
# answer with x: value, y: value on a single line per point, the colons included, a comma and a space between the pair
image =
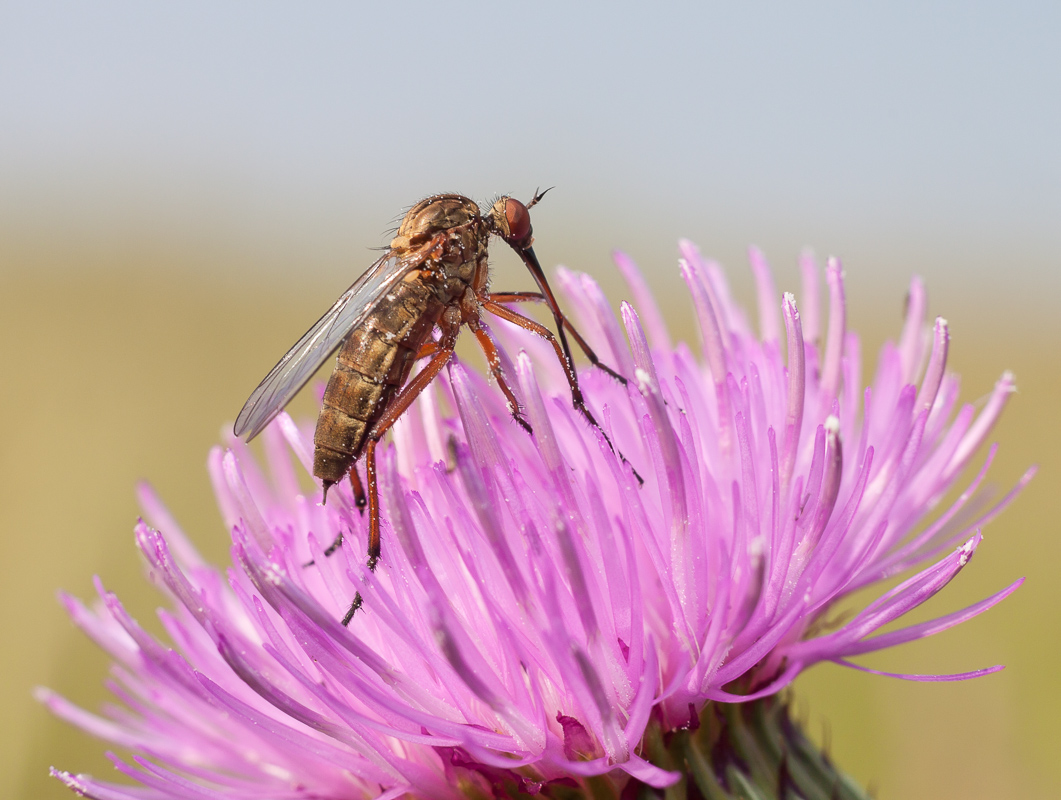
x: 357, y: 489
x: 373, y: 524
x: 359, y: 502
x: 397, y: 407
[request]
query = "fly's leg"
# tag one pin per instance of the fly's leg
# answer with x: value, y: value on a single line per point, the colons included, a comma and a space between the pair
x: 429, y: 349
x: 357, y: 489
x: 563, y: 349
x: 398, y: 406
x: 540, y: 330
x: 493, y: 358
x: 373, y: 524
x: 577, y: 399
x: 538, y: 297
x: 360, y: 499
x: 329, y: 550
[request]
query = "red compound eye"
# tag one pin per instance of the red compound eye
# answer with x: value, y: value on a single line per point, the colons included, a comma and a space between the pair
x: 519, y: 224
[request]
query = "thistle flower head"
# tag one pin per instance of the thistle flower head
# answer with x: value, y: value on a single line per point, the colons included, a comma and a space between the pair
x: 536, y: 609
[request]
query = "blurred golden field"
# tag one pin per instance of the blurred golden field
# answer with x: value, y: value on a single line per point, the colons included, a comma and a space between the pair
x: 123, y: 362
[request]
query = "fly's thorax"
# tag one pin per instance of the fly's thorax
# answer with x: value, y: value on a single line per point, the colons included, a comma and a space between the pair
x: 480, y: 279
x: 474, y: 244
x: 451, y: 262
x: 434, y: 215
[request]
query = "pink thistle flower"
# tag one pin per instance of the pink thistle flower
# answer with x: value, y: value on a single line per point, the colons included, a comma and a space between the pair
x: 536, y: 611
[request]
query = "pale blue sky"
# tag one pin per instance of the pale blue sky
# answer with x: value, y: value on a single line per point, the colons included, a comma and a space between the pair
x: 922, y: 135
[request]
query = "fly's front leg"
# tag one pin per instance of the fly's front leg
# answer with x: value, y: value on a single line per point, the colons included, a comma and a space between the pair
x: 538, y: 297
x: 565, y: 361
x: 577, y: 400
x: 398, y: 406
x: 493, y: 358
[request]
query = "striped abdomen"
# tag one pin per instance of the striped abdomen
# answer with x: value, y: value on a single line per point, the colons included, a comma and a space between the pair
x: 373, y: 364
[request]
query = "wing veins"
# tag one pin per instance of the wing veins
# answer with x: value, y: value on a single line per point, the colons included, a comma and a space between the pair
x: 316, y: 345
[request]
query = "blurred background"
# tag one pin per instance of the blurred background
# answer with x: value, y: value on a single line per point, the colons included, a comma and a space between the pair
x: 185, y: 187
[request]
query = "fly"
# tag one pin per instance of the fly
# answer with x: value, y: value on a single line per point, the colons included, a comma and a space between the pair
x: 434, y: 275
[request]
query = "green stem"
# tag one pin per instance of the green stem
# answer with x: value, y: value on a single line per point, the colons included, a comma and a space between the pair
x: 752, y: 751
x: 737, y: 751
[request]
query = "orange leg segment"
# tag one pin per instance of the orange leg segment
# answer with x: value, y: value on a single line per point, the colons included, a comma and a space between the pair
x: 429, y: 349
x: 538, y: 297
x: 357, y: 489
x: 577, y: 400
x: 493, y: 358
x: 398, y: 406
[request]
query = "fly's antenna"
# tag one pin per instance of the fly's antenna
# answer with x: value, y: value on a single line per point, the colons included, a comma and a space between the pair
x: 538, y: 196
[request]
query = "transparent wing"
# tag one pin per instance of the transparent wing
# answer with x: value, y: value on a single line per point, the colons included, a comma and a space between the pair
x: 301, y: 361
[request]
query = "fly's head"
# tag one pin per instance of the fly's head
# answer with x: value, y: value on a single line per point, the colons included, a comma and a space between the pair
x: 510, y: 220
